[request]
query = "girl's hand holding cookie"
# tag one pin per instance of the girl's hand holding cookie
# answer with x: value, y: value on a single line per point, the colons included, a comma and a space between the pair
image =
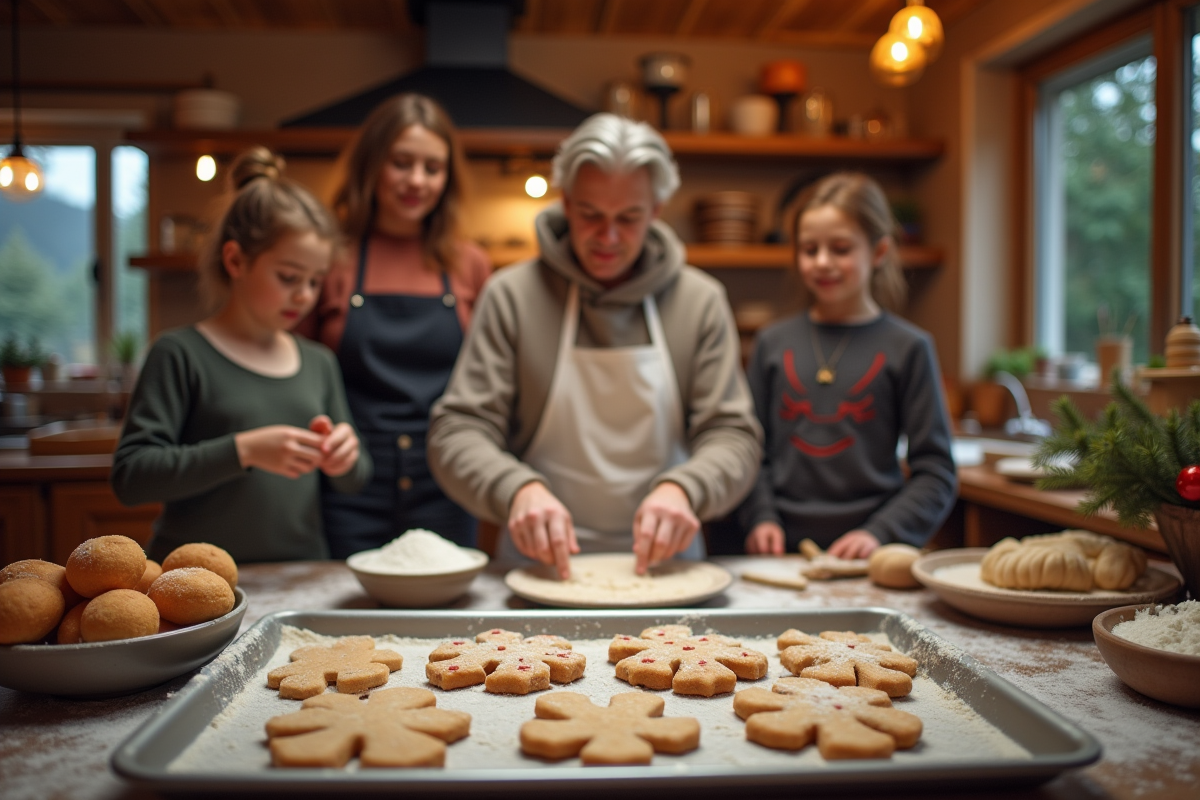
x: 855, y: 544
x: 280, y: 449
x: 340, y: 448
x: 766, y: 540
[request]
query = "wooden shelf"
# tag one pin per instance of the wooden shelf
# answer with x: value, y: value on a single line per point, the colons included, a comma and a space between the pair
x: 542, y: 142
x: 705, y: 256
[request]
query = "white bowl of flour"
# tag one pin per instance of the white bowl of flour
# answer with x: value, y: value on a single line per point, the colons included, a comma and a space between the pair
x: 417, y: 570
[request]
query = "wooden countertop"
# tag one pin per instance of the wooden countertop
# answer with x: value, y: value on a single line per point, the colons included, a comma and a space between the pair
x: 981, y: 484
x: 18, y: 466
x: 61, y: 748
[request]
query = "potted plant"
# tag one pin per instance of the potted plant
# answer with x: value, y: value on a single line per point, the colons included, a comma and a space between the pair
x: 125, y: 346
x: 990, y: 400
x: 1141, y: 465
x: 17, y: 361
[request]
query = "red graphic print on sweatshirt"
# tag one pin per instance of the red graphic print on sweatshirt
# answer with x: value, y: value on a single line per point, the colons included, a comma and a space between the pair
x: 857, y: 411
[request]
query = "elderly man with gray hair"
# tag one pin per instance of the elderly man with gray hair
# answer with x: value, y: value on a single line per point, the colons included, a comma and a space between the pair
x: 598, y: 403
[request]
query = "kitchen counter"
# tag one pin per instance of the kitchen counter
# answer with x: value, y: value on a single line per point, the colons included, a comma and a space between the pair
x: 52, y: 747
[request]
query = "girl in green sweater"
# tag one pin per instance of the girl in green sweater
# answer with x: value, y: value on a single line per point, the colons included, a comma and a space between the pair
x: 234, y: 420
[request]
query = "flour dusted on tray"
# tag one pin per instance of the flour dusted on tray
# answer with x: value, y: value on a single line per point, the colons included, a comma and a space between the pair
x: 1172, y: 628
x: 419, y: 551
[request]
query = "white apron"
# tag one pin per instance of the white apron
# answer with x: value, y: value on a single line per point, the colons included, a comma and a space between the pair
x: 613, y: 421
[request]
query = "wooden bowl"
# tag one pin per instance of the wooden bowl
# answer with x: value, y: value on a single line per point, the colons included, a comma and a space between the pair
x: 1170, y: 677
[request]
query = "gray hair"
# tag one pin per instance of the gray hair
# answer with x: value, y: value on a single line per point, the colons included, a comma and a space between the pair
x: 616, y: 144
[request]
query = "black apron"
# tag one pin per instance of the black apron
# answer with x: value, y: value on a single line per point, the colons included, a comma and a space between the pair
x: 396, y: 355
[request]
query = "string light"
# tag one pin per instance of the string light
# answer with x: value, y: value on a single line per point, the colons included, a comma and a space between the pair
x: 896, y: 60
x: 20, y: 177
x: 206, y: 168
x: 918, y: 23
x: 536, y: 186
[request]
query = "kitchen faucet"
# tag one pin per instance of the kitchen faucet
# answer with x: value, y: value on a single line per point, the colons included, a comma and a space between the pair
x: 1025, y: 422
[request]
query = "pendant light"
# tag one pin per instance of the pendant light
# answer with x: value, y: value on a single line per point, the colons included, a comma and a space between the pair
x: 896, y: 60
x: 20, y: 178
x: 917, y: 23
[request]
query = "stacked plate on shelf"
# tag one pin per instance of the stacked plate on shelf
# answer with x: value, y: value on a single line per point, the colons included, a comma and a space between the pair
x: 726, y: 217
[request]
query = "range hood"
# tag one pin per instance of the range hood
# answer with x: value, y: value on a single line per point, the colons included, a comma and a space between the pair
x: 466, y: 70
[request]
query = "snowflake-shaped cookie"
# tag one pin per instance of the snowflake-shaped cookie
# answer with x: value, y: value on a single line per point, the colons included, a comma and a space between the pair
x: 670, y: 657
x: 846, y: 722
x: 353, y: 662
x: 630, y: 730
x: 843, y: 658
x: 393, y: 728
x: 505, y: 663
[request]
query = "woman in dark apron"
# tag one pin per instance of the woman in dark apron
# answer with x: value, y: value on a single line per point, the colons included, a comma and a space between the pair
x: 394, y: 310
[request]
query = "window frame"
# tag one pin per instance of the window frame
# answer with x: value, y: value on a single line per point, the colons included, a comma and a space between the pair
x: 1166, y: 22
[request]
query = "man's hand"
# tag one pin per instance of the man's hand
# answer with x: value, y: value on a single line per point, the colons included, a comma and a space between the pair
x: 282, y: 449
x: 766, y: 539
x: 663, y: 525
x: 541, y: 527
x: 855, y: 544
x: 339, y: 450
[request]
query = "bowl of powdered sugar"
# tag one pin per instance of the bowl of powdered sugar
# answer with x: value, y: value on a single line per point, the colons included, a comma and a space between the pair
x: 1154, y: 649
x: 417, y: 570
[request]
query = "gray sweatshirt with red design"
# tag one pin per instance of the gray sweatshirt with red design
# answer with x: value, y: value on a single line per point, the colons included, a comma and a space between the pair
x: 829, y: 460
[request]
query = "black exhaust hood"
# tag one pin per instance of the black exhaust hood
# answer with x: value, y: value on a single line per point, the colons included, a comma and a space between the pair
x: 466, y: 70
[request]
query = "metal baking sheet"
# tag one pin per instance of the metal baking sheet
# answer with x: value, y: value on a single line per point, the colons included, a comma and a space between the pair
x: 1052, y: 743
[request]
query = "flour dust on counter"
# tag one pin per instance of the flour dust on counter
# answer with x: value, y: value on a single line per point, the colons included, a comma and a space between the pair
x: 235, y: 741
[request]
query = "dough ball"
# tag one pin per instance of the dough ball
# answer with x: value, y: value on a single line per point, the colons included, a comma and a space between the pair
x: 104, y: 563
x: 48, y: 571
x: 119, y: 614
x: 209, y: 556
x: 153, y: 570
x: 68, y: 629
x: 191, y: 595
x: 890, y: 566
x: 29, y: 609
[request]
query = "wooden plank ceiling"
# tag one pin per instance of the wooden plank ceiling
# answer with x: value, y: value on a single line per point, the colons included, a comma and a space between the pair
x: 823, y: 23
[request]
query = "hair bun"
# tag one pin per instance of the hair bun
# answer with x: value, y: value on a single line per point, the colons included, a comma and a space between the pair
x: 257, y: 162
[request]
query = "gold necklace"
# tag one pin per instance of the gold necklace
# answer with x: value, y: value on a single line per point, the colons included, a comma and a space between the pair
x: 825, y: 369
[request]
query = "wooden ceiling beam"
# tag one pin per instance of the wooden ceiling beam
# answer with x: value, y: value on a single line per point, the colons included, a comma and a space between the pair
x: 786, y: 12
x: 145, y: 12
x: 843, y: 40
x: 689, y: 18
x: 864, y: 12
x: 53, y: 11
x: 610, y: 13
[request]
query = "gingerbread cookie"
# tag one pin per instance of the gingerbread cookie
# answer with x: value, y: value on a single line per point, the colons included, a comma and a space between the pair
x: 844, y: 658
x: 393, y: 728
x: 505, y: 663
x: 670, y: 657
x: 353, y: 663
x: 846, y: 722
x: 630, y: 730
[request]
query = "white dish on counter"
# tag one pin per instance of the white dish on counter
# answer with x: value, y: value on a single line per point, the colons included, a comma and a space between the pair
x: 608, y: 580
x: 954, y: 576
x: 415, y: 590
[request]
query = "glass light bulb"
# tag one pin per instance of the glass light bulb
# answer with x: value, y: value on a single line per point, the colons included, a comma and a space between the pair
x: 536, y: 186
x: 20, y: 179
x: 897, y: 61
x: 921, y: 25
x: 6, y: 176
x: 899, y: 51
x: 915, y: 27
x: 206, y: 168
x: 31, y: 182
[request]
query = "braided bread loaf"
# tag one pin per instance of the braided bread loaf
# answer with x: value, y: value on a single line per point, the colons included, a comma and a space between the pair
x: 1075, y: 561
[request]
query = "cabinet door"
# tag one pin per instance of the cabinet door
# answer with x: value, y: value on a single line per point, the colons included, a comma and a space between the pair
x: 81, y: 511
x: 22, y: 523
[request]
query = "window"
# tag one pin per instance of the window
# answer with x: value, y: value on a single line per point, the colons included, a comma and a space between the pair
x: 48, y: 247
x: 1094, y: 157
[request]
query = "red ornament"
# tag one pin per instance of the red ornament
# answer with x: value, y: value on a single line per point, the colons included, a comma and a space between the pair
x: 1188, y: 483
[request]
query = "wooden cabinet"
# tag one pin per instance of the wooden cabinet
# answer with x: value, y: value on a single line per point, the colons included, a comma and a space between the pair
x: 22, y: 523
x: 81, y: 511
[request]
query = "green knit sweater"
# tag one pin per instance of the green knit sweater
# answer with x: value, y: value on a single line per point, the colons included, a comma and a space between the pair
x: 177, y: 448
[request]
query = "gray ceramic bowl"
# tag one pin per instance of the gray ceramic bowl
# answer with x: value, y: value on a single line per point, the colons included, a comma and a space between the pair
x: 415, y: 590
x: 109, y: 669
x: 1170, y: 677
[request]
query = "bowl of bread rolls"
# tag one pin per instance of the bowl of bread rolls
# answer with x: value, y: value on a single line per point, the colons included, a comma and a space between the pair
x: 111, y: 621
